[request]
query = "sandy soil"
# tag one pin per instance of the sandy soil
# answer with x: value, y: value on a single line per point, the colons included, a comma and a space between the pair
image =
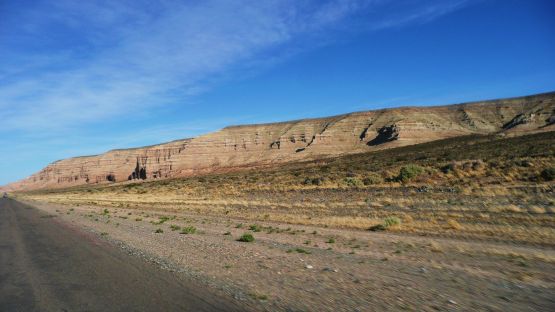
x: 308, y: 268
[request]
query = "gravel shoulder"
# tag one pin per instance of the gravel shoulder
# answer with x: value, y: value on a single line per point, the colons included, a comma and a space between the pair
x: 308, y: 268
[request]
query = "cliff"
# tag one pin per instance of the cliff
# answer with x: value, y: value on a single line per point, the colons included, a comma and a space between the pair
x: 249, y: 146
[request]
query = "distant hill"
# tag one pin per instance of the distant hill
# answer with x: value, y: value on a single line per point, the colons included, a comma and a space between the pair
x: 252, y: 146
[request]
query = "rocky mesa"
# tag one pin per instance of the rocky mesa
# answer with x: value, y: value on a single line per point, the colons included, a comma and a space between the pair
x: 251, y: 146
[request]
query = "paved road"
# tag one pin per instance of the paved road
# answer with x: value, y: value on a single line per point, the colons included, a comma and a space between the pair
x: 48, y: 266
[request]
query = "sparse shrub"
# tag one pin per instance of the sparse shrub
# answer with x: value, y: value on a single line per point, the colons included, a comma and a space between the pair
x: 377, y: 228
x: 313, y: 181
x: 523, y: 163
x: 494, y: 164
x: 548, y: 174
x: 188, y: 230
x: 387, y: 223
x: 299, y: 250
x: 448, y: 168
x: 160, y: 220
x: 139, y: 219
x: 409, y: 172
x: 372, y: 178
x: 331, y: 240
x: 261, y: 297
x: 227, y: 233
x: 247, y: 238
x: 477, y: 164
x: 354, y: 182
x: 255, y: 228
x: 391, y: 221
x: 317, y: 181
x: 159, y: 230
x: 175, y: 227
x: 466, y: 166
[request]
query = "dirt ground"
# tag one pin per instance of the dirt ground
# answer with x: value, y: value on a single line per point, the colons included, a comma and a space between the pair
x: 317, y: 268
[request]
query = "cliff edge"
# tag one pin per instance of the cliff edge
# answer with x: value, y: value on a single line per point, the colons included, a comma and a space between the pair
x: 250, y: 146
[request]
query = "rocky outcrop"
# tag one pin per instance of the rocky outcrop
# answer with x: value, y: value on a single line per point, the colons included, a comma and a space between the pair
x: 251, y: 146
x: 385, y: 134
x: 519, y: 119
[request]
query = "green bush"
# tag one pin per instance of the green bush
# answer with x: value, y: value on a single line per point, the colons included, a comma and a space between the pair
x: 247, y: 238
x: 255, y: 228
x: 372, y: 178
x: 390, y: 221
x: 548, y: 174
x: 409, y: 172
x: 351, y: 181
x: 313, y: 181
x: 161, y: 220
x: 299, y: 250
x: 387, y: 222
x: 175, y: 227
x: 188, y: 230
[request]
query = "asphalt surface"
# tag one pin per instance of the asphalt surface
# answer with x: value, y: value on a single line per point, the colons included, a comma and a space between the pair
x: 46, y: 265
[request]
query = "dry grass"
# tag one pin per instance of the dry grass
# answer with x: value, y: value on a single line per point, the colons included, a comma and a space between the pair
x: 477, y: 187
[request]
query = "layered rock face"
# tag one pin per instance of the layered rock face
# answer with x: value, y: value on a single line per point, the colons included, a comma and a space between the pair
x: 249, y: 146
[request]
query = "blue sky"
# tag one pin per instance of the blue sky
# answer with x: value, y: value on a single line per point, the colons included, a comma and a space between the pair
x: 83, y: 77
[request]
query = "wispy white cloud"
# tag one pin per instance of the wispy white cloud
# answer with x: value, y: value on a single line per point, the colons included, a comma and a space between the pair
x: 74, y: 66
x: 107, y: 58
x: 419, y: 14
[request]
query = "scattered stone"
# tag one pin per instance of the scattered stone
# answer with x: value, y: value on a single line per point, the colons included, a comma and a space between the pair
x: 308, y: 266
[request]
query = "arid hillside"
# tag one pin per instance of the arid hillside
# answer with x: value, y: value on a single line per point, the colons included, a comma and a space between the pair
x: 464, y: 223
x: 250, y: 146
